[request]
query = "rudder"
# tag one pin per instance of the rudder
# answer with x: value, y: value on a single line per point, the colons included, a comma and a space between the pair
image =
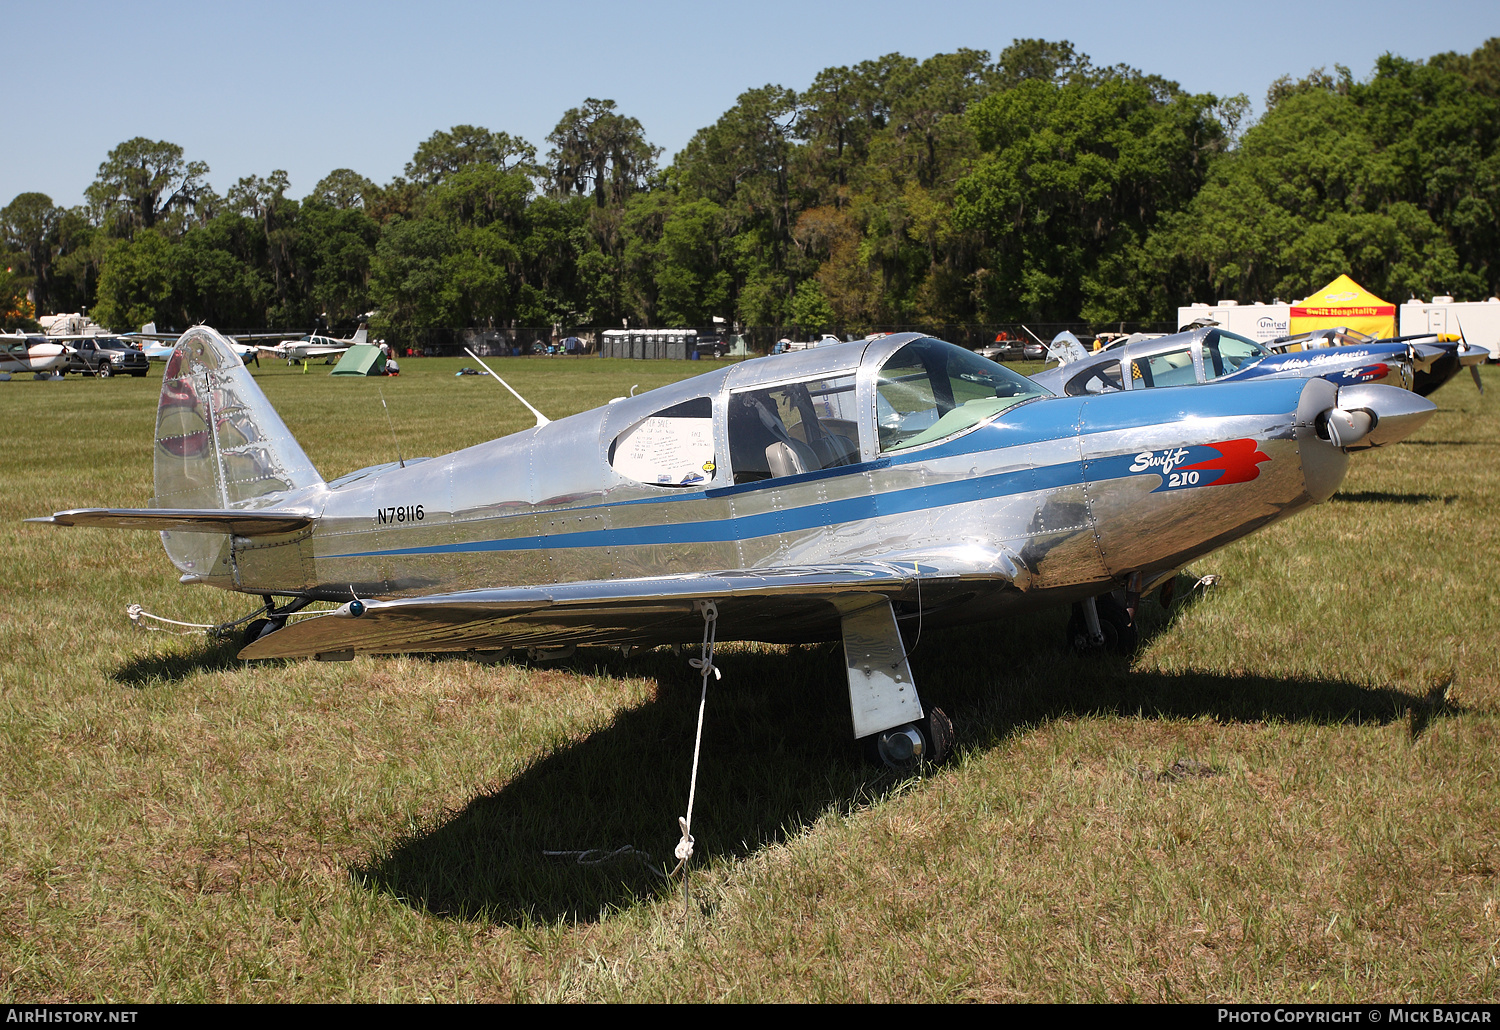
x: 220, y: 445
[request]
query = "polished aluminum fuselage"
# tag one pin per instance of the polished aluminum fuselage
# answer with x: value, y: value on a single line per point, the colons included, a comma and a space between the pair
x: 1059, y: 497
x: 1379, y: 361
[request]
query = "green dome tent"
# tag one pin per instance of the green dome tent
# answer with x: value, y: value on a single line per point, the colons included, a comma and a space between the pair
x: 364, y: 359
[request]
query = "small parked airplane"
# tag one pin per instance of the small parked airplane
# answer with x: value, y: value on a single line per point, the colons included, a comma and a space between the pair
x: 313, y: 346
x: 1211, y: 355
x: 159, y: 346
x: 1456, y: 354
x: 23, y: 352
x: 848, y: 491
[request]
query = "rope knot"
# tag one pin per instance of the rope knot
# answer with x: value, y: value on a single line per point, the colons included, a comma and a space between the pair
x: 706, y: 666
x: 684, y: 849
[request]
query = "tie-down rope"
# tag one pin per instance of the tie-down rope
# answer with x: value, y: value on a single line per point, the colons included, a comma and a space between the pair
x: 137, y: 613
x: 704, y: 664
x: 684, y: 849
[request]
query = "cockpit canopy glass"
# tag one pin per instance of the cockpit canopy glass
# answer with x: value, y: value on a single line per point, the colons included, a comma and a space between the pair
x: 930, y: 390
x: 794, y: 428
x: 1225, y: 353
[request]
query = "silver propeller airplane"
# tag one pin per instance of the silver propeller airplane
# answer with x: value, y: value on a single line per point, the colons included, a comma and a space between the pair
x: 847, y: 491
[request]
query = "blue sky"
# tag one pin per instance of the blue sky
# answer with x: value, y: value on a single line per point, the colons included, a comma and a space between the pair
x: 309, y: 86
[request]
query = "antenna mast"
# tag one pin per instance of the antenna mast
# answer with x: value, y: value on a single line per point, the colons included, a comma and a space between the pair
x: 541, y: 420
x: 394, y: 437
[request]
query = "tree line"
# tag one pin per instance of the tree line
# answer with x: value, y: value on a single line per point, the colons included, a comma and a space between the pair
x: 957, y: 190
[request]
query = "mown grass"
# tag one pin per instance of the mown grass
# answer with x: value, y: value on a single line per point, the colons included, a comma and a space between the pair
x: 1289, y: 792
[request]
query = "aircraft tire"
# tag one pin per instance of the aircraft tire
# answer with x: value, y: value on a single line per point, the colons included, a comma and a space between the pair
x: 938, y: 729
x: 1077, y: 634
x: 1120, y: 634
x: 936, y: 733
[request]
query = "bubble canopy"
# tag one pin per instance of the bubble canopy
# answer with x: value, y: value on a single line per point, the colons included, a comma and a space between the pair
x: 930, y: 390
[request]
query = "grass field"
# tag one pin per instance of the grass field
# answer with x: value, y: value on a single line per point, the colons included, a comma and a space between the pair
x: 1290, y: 793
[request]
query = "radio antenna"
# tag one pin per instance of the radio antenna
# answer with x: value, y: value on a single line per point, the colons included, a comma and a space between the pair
x: 394, y: 437
x: 541, y: 420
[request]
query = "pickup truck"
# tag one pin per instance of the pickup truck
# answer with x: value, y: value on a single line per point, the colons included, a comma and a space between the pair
x: 105, y: 356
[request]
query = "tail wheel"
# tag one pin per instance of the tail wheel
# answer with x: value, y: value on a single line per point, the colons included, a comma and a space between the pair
x: 258, y: 629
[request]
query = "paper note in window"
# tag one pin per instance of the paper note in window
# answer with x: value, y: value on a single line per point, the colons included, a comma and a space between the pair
x: 668, y: 451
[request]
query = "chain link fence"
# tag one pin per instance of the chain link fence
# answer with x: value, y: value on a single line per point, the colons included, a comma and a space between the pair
x: 760, y: 339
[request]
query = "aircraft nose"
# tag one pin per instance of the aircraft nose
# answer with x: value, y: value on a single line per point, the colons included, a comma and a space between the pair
x: 1371, y: 415
x: 1332, y: 422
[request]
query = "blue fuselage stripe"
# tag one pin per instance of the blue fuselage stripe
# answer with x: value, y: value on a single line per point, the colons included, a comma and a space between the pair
x: 799, y: 519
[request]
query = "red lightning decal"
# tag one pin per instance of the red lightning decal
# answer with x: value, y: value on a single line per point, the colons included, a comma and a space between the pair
x: 1239, y: 461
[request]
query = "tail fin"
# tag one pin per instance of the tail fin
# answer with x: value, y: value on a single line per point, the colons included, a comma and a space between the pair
x: 360, y: 337
x: 219, y: 445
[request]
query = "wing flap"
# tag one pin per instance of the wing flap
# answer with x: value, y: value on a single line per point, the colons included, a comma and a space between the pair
x: 610, y: 612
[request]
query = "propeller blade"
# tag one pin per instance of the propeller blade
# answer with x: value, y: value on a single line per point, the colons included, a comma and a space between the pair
x: 1473, y: 369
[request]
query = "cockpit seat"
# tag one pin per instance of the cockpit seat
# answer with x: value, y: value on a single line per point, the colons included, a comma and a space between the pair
x: 833, y: 451
x: 790, y: 458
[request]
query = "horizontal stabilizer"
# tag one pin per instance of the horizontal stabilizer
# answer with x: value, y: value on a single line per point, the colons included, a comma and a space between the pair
x: 189, y: 520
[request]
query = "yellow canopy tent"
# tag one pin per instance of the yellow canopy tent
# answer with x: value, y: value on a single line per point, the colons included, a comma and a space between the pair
x: 1344, y: 302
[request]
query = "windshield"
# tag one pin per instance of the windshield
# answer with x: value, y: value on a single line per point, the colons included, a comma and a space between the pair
x: 930, y: 390
x: 1225, y: 352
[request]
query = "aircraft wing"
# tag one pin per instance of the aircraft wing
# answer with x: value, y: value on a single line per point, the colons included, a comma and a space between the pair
x: 778, y: 602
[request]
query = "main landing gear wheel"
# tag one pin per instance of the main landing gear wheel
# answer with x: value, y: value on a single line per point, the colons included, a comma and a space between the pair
x: 906, y: 748
x: 1120, y: 634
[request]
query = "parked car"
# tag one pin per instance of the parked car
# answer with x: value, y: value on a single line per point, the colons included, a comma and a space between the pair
x: 105, y: 356
x: 1013, y: 350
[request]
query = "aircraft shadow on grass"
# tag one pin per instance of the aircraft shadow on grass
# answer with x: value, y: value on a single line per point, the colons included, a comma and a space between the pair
x: 1445, y: 444
x: 1384, y: 497
x: 776, y: 755
x: 203, y: 655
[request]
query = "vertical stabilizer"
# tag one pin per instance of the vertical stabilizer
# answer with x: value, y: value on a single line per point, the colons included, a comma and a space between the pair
x: 360, y: 337
x: 219, y: 444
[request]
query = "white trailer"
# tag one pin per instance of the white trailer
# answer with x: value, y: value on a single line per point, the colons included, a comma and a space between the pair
x: 1479, y: 320
x: 1259, y: 322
